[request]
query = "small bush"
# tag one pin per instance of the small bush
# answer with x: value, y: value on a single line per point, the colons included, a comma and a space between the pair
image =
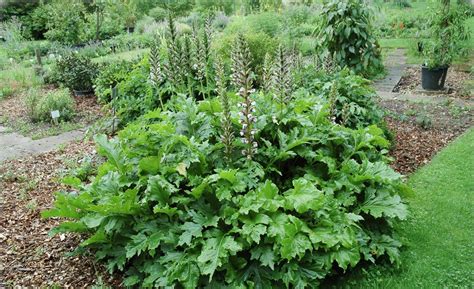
x: 158, y: 14
x: 75, y: 72
x: 40, y: 104
x: 259, y: 44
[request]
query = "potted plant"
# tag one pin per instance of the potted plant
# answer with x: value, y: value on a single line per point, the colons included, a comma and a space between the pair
x: 447, y: 35
x: 77, y: 73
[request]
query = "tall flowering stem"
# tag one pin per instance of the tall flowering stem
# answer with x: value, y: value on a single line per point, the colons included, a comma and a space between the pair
x: 174, y: 66
x: 282, y: 76
x: 267, y: 78
x: 242, y: 78
x: 332, y: 102
x: 156, y: 73
x: 227, y: 136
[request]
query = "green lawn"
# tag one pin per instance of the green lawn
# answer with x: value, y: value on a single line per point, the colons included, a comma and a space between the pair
x: 439, y: 233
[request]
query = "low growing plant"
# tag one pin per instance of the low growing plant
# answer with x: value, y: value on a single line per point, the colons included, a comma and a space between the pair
x: 40, y: 104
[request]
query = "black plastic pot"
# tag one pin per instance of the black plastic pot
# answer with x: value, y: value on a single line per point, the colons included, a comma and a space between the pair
x: 433, y: 79
x: 82, y: 92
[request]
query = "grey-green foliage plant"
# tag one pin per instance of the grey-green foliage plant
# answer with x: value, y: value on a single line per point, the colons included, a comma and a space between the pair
x: 39, y: 104
x: 346, y: 32
x: 169, y: 210
x: 448, y: 31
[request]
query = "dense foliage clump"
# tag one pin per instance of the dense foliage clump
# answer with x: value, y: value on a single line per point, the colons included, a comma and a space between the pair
x: 180, y: 201
x: 169, y: 207
x: 353, y: 102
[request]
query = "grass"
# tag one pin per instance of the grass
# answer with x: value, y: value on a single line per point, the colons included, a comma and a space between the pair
x: 17, y: 77
x: 438, y: 234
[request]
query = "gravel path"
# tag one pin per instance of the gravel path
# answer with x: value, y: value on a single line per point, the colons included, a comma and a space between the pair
x: 14, y: 145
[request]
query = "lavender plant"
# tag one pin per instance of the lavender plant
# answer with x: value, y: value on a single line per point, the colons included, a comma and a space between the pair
x: 242, y: 78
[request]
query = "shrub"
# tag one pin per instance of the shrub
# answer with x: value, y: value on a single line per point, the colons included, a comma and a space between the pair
x: 66, y: 21
x: 76, y: 72
x: 259, y: 44
x: 227, y: 6
x: 448, y: 31
x: 170, y: 208
x: 40, y: 104
x: 266, y: 22
x: 158, y: 14
x: 135, y: 93
x: 110, y: 74
x: 346, y: 32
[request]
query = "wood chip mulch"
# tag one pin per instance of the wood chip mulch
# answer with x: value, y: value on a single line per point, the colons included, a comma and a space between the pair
x: 456, y: 81
x: 28, y: 255
x: 415, y: 145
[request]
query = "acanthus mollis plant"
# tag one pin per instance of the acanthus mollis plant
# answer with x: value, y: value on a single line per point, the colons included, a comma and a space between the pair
x: 167, y: 211
x: 227, y: 136
x: 242, y: 78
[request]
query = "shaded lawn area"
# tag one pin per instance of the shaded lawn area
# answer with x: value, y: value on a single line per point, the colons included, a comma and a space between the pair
x: 439, y: 251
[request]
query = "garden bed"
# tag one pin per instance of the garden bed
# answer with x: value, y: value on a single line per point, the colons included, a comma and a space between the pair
x: 14, y: 115
x: 421, y: 130
x: 457, y: 83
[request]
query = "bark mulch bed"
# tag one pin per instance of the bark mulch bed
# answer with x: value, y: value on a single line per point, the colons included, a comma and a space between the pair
x: 28, y: 255
x: 421, y: 130
x: 456, y: 80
